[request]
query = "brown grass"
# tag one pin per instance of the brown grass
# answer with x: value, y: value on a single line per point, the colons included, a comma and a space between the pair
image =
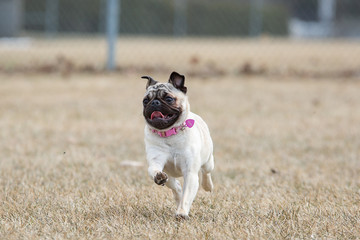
x: 287, y: 155
x: 196, y: 56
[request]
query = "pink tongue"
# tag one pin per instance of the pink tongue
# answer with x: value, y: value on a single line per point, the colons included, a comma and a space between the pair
x: 156, y: 114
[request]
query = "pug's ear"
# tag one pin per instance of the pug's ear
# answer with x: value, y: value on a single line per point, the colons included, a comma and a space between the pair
x: 178, y: 81
x: 150, y: 82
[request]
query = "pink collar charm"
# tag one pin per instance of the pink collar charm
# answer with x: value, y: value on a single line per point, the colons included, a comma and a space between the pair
x: 189, y: 123
x: 173, y: 131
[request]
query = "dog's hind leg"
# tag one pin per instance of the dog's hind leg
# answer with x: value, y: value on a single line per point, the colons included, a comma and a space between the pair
x: 206, y: 175
x: 175, y: 186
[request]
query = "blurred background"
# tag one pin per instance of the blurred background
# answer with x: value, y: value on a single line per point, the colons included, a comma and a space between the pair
x: 204, y: 38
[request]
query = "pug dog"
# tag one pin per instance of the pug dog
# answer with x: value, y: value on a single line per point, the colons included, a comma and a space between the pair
x: 177, y: 142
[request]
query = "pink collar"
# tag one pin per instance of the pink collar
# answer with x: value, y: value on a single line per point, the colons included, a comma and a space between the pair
x: 173, y: 131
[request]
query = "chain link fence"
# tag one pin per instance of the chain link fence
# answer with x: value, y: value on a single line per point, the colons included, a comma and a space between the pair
x: 214, y: 37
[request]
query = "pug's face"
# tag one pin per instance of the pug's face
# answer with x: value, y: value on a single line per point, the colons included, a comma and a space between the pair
x: 165, y: 104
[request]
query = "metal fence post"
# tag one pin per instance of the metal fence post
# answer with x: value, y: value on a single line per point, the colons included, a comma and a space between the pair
x: 256, y: 12
x: 112, y: 18
x: 51, y: 17
x: 180, y: 21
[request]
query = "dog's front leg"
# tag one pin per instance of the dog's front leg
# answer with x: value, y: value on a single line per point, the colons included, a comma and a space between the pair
x: 175, y: 186
x: 191, y: 185
x: 155, y: 170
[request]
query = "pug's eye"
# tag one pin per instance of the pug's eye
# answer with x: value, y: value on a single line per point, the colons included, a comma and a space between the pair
x: 145, y: 101
x: 169, y: 99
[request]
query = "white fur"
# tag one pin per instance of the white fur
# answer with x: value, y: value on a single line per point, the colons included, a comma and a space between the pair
x: 188, y: 154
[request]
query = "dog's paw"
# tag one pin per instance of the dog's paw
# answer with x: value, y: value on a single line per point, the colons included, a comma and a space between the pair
x: 161, y: 178
x: 181, y: 217
x: 181, y: 214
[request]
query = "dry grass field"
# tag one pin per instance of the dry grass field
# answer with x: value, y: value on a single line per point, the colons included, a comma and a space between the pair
x: 287, y: 156
x: 196, y: 56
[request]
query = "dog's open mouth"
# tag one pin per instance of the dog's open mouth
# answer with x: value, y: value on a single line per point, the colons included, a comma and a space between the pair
x: 161, y: 118
x: 159, y: 115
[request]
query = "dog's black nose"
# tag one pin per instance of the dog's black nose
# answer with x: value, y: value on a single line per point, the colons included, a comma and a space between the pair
x: 155, y: 103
